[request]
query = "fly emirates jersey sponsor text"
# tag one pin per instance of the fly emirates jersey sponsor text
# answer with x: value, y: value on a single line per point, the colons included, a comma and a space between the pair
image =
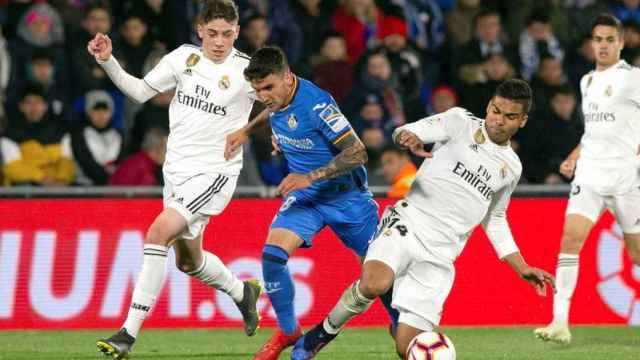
x: 468, y: 181
x: 610, y: 105
x: 211, y: 100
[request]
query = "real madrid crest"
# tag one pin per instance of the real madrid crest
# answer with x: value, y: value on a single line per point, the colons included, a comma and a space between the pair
x: 292, y: 122
x: 608, y: 91
x: 224, y: 82
x: 479, y: 137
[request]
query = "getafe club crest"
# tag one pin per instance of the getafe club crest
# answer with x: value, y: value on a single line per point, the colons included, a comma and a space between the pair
x: 608, y: 91
x: 224, y: 82
x: 292, y: 122
x: 479, y: 137
x: 192, y: 60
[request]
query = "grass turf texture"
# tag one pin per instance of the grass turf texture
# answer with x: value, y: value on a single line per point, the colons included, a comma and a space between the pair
x: 589, y: 343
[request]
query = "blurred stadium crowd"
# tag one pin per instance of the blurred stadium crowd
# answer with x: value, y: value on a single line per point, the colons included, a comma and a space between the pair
x: 386, y: 62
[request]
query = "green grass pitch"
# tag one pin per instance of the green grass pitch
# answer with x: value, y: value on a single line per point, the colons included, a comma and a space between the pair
x: 605, y: 343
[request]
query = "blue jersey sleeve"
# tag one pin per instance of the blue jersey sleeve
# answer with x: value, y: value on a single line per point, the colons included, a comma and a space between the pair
x: 330, y: 121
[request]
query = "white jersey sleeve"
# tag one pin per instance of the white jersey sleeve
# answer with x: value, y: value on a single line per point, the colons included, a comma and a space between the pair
x: 440, y: 127
x: 163, y: 76
x: 136, y: 89
x: 9, y: 150
x: 495, y: 223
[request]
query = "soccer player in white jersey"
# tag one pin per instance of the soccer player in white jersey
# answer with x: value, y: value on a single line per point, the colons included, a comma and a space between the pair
x: 211, y: 99
x: 605, y: 164
x: 467, y: 182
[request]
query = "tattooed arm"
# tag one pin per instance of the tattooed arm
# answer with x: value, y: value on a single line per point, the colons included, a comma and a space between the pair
x: 352, y: 154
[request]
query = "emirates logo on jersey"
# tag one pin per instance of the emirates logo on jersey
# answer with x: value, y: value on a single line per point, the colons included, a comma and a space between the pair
x: 224, y: 83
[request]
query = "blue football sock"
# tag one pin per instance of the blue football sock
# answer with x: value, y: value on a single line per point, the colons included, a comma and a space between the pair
x: 279, y: 286
x: 393, y: 313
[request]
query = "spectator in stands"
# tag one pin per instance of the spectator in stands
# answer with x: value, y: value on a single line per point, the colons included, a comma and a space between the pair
x: 459, y: 21
x: 331, y: 68
x: 94, y: 144
x: 39, y: 30
x: 314, y: 21
x: 132, y: 48
x: 475, y: 93
x: 286, y: 31
x: 548, y: 78
x: 425, y: 24
x: 161, y: 22
x: 550, y: 142
x: 442, y: 99
x: 357, y: 21
x: 582, y: 61
x: 5, y: 75
x: 538, y: 39
x: 39, y: 135
x: 144, y: 168
x: 631, y: 49
x: 377, y: 78
x: 88, y: 75
x: 398, y: 170
x: 154, y: 114
x: 626, y: 10
x: 254, y: 34
x: 41, y: 71
x: 9, y: 153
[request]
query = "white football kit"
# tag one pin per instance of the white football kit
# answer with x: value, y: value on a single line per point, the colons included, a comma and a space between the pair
x: 211, y: 100
x: 607, y: 169
x: 468, y: 181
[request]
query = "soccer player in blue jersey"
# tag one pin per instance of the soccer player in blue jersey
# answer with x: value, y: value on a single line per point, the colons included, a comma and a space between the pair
x: 327, y: 184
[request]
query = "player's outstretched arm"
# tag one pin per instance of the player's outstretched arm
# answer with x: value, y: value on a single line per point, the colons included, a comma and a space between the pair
x: 352, y: 154
x: 538, y: 278
x: 408, y: 140
x: 235, y: 139
x: 101, y: 48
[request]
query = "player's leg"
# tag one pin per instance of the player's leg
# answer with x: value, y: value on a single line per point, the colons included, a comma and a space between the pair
x: 387, y: 255
x: 626, y: 209
x: 281, y: 243
x: 355, y: 221
x: 208, y: 268
x: 406, y: 333
x: 165, y: 227
x: 583, y: 211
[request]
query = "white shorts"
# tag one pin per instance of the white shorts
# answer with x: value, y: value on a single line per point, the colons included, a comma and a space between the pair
x: 589, y: 203
x: 197, y: 198
x: 422, y: 282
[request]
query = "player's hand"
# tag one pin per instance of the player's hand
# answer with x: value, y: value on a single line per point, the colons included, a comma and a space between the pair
x: 539, y: 279
x: 276, y: 149
x: 294, y: 182
x: 234, y: 142
x: 100, y: 47
x: 567, y: 168
x: 411, y: 141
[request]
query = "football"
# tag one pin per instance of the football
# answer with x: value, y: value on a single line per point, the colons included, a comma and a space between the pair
x: 432, y: 346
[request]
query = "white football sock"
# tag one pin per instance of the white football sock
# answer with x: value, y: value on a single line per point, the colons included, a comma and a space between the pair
x: 566, y: 279
x: 214, y: 273
x: 149, y: 284
x: 351, y: 303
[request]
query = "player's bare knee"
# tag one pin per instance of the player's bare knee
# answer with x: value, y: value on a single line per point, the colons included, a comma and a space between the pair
x: 372, y: 286
x: 571, y: 243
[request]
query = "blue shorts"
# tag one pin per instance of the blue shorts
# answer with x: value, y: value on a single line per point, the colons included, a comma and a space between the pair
x: 353, y: 217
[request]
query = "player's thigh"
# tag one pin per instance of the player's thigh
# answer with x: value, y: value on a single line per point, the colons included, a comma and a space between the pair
x: 632, y: 242
x: 354, y: 220
x: 297, y: 219
x: 404, y: 335
x: 419, y: 294
x: 583, y: 210
x: 626, y: 209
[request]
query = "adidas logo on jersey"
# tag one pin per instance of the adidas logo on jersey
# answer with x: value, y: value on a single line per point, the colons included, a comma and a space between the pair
x: 474, y: 147
x: 187, y: 72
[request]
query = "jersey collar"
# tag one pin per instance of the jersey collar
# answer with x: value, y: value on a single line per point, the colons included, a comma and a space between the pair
x: 292, y: 94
